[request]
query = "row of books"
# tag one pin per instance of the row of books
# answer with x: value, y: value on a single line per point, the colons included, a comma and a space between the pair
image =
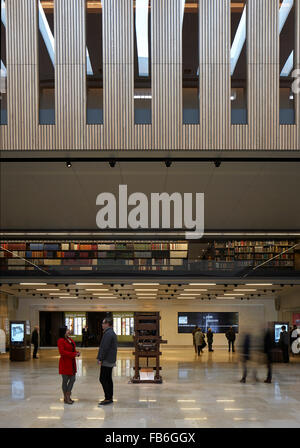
x: 93, y: 247
x: 229, y: 244
x: 96, y: 262
x: 95, y: 255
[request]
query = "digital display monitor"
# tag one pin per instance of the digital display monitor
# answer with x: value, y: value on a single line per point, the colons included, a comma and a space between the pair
x: 17, y: 332
x: 277, y: 330
x: 219, y: 322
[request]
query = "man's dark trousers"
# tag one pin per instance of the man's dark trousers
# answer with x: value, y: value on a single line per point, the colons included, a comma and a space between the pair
x: 35, y: 350
x: 106, y: 381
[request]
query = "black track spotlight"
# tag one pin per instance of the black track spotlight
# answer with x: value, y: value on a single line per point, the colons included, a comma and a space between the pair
x: 179, y: 284
x: 68, y: 164
x: 122, y: 284
x: 217, y: 163
x: 168, y: 163
x: 112, y: 163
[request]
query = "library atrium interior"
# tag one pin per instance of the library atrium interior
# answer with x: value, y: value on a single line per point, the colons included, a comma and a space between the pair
x: 243, y: 272
x: 149, y: 175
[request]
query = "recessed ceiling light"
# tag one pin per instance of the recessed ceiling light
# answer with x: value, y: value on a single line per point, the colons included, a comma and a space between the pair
x: 195, y: 289
x: 233, y: 294
x: 245, y: 289
x: 47, y: 289
x: 37, y: 284
x: 145, y: 284
x: 96, y: 289
x: 185, y: 294
x: 144, y: 289
x: 202, y: 284
x: 89, y: 284
x: 103, y: 294
x: 259, y: 284
x: 60, y: 294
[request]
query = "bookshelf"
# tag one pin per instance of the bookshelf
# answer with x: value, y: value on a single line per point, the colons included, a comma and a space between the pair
x: 142, y: 255
x: 255, y: 251
x: 93, y: 255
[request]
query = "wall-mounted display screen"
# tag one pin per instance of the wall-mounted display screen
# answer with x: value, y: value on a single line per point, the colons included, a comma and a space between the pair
x: 219, y: 322
x: 277, y: 330
x: 17, y: 332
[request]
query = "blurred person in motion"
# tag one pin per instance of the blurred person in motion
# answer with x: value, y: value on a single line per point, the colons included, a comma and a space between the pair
x: 245, y: 354
x: 230, y: 335
x: 35, y: 341
x: 200, y: 341
x: 210, y: 338
x: 67, y: 362
x: 268, y: 346
x: 193, y: 333
x: 284, y: 343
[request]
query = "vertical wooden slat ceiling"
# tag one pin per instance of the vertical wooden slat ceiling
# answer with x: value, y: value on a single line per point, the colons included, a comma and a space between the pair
x: 167, y: 131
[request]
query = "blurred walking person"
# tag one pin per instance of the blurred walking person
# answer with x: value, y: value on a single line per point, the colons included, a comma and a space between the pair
x: 35, y: 341
x: 210, y: 338
x: 268, y: 346
x: 284, y: 342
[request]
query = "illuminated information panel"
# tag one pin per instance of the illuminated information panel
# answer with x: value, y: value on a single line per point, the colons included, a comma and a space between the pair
x: 219, y: 322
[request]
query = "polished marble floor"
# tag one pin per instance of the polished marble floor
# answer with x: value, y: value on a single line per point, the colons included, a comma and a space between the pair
x: 196, y: 392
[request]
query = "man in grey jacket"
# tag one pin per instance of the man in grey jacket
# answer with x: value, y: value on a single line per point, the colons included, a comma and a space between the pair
x: 107, y: 356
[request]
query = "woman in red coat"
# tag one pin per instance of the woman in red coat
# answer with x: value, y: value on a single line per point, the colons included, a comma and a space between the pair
x: 67, y: 362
